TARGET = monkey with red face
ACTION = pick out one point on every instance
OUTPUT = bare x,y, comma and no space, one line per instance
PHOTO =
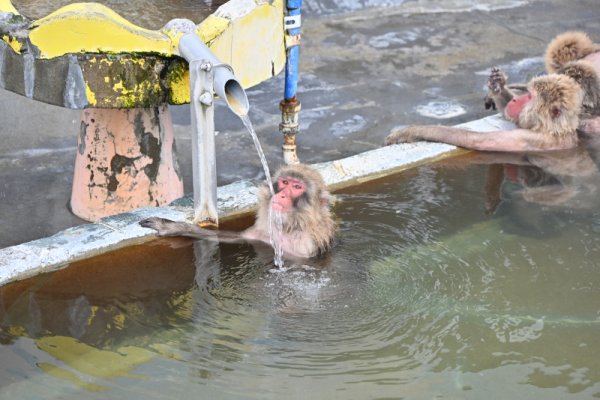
302,199
547,117
548,112
572,54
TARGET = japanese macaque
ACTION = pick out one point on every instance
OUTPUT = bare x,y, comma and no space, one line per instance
302,199
548,111
568,178
572,54
575,55
547,116
568,47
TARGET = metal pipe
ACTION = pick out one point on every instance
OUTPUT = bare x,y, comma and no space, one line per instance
204,166
290,106
226,86
208,75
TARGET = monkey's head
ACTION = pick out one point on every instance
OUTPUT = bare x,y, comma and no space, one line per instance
566,47
299,188
304,183
584,73
302,199
552,105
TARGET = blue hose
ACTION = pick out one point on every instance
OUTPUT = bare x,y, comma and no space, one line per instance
291,66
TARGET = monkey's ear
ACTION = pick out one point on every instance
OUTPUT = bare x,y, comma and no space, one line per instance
555,112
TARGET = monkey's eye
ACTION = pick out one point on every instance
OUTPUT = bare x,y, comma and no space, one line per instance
284,181
297,186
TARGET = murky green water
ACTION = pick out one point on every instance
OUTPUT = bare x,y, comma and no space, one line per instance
425,296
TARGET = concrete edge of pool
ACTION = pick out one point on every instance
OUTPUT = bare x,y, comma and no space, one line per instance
234,200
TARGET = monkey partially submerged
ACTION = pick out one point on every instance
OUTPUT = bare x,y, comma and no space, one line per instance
548,111
302,199
547,117
575,55
572,54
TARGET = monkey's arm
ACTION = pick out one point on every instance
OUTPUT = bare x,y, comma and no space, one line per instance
166,227
499,93
517,140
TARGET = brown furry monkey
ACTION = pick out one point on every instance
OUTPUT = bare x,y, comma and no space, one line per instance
301,197
572,54
547,117
548,112
568,47
575,55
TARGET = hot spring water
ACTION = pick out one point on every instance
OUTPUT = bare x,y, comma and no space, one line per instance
425,295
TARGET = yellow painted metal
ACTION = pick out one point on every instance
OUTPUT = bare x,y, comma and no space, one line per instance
211,28
13,42
251,42
7,6
254,60
179,86
93,28
91,96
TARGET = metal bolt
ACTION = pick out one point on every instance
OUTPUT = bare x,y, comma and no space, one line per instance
206,66
206,98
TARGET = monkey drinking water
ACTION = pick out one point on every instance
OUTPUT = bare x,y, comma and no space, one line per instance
302,199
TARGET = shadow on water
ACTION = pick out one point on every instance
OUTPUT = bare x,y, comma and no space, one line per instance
429,292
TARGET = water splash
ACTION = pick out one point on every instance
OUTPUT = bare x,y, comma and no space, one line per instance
276,235
248,124
275,218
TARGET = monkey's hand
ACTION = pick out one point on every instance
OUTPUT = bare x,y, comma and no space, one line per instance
496,81
495,84
404,135
162,226
166,227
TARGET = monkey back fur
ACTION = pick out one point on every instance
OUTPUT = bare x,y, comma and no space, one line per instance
584,73
566,47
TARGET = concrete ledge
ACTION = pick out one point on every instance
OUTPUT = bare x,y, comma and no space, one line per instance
239,198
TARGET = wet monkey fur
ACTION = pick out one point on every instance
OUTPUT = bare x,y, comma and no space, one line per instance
548,111
572,54
547,117
301,197
568,47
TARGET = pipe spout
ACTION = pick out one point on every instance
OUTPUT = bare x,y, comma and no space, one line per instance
225,84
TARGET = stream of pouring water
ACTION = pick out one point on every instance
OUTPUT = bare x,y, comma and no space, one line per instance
259,150
275,236
275,218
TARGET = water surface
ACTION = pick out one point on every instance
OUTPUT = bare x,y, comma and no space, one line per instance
437,288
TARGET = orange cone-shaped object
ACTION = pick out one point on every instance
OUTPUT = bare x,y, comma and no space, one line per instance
126,159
